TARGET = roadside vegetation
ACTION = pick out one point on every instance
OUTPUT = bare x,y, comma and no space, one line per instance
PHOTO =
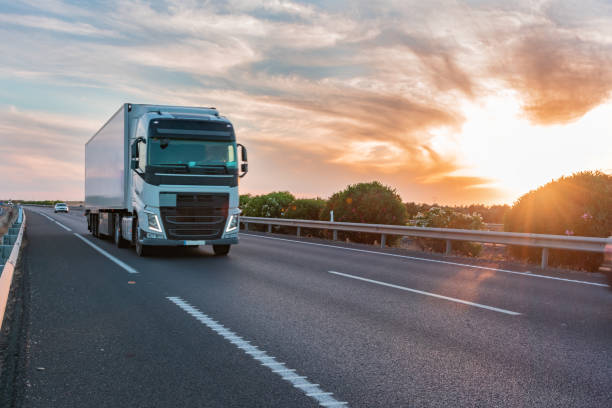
437,217
580,205
40,202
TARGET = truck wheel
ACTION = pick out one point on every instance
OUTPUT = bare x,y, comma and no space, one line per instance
221,250
142,250
119,241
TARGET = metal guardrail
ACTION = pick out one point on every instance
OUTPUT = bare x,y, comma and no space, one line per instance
9,253
544,241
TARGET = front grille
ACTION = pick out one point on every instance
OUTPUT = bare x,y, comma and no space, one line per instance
196,216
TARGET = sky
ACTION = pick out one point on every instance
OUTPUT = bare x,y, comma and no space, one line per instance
453,102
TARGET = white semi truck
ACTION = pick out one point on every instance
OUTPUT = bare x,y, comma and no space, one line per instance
164,176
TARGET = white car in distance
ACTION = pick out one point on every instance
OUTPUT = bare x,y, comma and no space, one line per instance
61,207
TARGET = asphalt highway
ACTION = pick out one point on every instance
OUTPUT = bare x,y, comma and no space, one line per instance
282,322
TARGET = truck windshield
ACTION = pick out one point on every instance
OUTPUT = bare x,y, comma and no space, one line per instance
191,153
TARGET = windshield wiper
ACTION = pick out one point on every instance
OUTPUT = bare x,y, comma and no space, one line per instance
212,167
183,166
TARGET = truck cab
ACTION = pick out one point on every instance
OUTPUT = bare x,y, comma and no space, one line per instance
181,180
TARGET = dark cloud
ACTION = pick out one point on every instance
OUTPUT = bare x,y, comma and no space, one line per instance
437,56
361,115
559,75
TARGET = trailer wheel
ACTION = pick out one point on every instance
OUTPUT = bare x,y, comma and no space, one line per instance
142,250
94,225
221,250
119,241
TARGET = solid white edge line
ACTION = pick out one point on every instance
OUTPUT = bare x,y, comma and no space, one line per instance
46,216
300,382
421,292
106,254
487,268
55,221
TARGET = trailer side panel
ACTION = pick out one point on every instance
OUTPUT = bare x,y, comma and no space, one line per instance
105,165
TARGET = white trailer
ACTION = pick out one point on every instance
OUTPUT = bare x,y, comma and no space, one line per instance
164,175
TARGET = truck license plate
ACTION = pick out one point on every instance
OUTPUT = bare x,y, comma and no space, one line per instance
195,242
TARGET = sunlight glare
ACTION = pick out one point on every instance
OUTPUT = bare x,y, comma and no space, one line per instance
499,143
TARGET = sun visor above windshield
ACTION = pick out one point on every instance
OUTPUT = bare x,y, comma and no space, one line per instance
192,129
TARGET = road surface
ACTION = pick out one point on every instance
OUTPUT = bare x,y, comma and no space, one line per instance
286,323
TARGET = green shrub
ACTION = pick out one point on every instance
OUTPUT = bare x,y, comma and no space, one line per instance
306,209
271,205
413,209
437,217
371,203
41,202
580,205
244,201
493,214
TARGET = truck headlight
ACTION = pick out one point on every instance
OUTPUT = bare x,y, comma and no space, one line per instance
153,222
232,224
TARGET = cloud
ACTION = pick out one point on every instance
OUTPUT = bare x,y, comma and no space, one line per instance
42,153
54,24
58,7
277,166
559,75
329,93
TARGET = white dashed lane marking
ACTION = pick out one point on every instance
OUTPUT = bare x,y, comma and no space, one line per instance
421,292
300,382
416,258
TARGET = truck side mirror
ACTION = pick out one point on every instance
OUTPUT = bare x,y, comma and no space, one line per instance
135,156
244,167
244,153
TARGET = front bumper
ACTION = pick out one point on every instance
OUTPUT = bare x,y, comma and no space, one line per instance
176,242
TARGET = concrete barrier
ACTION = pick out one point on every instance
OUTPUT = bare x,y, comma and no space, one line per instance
9,255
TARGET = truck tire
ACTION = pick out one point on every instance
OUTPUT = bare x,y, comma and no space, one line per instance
119,241
221,250
142,250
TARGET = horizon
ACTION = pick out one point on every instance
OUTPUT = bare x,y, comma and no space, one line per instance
460,103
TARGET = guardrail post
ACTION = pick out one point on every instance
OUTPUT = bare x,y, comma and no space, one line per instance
299,230
269,227
246,226
449,247
544,258
383,240
335,235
